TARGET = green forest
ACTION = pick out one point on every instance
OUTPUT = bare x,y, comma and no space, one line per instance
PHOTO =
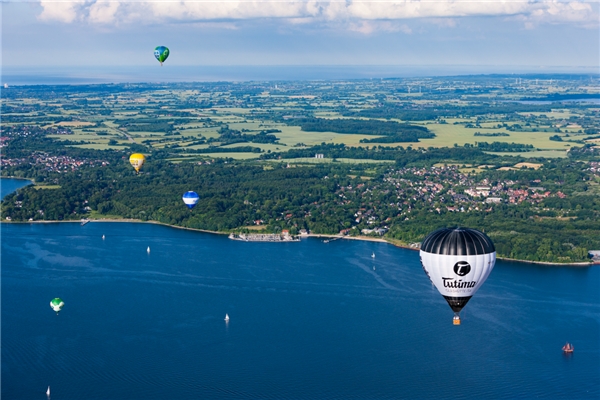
235,195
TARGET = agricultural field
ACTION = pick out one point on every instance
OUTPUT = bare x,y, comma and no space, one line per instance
447,135
254,119
534,154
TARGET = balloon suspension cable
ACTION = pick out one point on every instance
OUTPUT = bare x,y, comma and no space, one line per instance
456,319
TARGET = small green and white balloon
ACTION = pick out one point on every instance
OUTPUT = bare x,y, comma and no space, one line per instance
57,304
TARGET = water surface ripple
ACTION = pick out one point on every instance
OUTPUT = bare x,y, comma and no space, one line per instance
309,320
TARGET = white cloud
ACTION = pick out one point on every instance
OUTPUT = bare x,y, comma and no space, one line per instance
579,13
66,11
103,12
361,16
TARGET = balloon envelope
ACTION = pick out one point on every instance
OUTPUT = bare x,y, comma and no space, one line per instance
161,53
190,199
457,262
137,160
57,304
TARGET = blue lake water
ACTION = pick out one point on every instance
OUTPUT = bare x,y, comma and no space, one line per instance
593,100
9,185
309,320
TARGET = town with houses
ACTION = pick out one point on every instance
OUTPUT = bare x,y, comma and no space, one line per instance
441,188
494,152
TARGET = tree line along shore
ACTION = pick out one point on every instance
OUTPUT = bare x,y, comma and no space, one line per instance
548,214
394,242
354,159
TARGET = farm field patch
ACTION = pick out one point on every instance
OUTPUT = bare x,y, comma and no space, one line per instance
533,154
194,116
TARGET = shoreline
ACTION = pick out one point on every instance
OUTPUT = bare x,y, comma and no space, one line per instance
392,242
18,178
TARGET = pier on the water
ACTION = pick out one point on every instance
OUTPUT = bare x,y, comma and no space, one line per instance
264,237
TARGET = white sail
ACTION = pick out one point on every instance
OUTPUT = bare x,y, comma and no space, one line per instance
226,317
48,391
148,249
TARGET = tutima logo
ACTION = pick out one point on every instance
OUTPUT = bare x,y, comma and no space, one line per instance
462,268
458,284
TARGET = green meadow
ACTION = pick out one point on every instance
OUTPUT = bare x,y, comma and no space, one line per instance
449,134
197,112
534,154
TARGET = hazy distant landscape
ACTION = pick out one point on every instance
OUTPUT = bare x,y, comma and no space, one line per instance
243,73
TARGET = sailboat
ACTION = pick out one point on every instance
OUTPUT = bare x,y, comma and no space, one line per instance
568,348
148,249
103,237
373,255
48,391
226,317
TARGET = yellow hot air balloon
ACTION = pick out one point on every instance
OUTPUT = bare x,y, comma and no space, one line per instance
137,160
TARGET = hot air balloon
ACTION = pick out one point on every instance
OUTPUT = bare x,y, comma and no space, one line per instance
457,261
57,304
137,160
161,53
190,199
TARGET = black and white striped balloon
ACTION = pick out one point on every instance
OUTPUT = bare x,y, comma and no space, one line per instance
457,261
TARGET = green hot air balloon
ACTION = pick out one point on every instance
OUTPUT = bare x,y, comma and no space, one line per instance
57,304
161,53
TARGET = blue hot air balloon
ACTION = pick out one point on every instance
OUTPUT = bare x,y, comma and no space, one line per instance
161,53
190,199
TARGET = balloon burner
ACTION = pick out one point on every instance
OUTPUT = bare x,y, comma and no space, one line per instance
456,319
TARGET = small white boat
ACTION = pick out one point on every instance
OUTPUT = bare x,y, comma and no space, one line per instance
148,249
48,391
373,255
373,268
103,237
227,317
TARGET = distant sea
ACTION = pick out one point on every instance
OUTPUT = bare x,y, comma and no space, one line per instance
309,320
177,73
594,101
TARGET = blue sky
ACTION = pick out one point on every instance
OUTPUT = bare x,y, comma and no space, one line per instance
539,35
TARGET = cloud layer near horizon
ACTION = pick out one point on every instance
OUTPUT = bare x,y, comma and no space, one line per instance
363,16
